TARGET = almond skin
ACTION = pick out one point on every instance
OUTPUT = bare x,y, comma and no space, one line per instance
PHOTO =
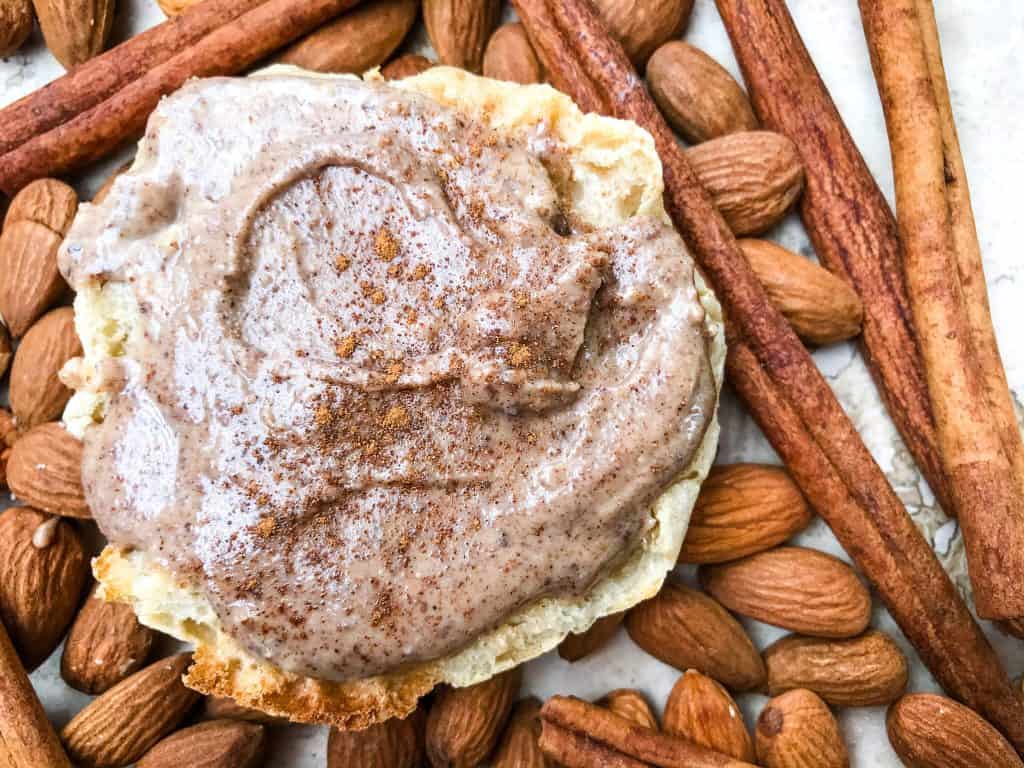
225,708
863,671
75,30
45,470
395,743
15,26
120,726
216,744
643,25
404,66
464,723
29,280
698,96
520,743
798,589
106,644
6,352
459,29
702,711
40,586
37,394
630,704
689,630
743,509
49,202
578,645
797,730
8,435
510,56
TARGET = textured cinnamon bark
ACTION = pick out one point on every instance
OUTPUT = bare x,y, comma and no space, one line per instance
988,499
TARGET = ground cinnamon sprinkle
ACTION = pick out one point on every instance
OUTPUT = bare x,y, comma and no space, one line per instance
378,297
346,346
421,271
385,244
519,355
396,418
394,371
265,527
342,263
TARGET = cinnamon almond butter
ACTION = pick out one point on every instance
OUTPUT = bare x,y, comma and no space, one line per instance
41,581
510,56
580,644
30,282
37,394
404,66
643,25
743,509
799,589
630,704
702,711
464,723
395,743
520,743
15,26
689,630
49,202
459,29
225,708
797,730
215,744
45,470
75,30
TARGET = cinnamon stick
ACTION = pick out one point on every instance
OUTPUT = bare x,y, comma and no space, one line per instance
99,130
988,498
872,525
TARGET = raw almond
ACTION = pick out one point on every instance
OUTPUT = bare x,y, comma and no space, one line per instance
37,394
863,671
510,56
754,177
630,704
464,723
356,41
6,352
30,282
743,509
75,30
797,730
119,727
405,66
49,202
689,630
702,711
579,644
108,183
822,308
216,744
798,589
106,644
520,743
225,708
41,581
45,470
395,743
931,731
8,434
698,96
459,29
15,26
643,25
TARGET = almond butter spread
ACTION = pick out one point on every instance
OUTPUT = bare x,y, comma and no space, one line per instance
384,390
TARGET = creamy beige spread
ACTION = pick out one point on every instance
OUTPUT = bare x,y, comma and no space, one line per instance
384,391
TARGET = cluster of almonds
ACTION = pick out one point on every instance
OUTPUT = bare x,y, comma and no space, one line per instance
74,30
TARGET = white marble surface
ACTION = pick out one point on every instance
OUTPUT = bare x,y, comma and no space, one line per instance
981,42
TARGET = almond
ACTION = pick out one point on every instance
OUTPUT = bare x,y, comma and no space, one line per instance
30,282
754,177
6,352
799,589
743,509
643,25
797,730
395,743
108,183
510,56
931,731
118,727
405,66
687,629
106,644
41,581
175,7
822,308
75,30
459,29
630,704
216,744
225,708
860,672
579,644
464,723
520,743
698,96
49,202
37,394
356,41
45,470
702,711
15,26
8,434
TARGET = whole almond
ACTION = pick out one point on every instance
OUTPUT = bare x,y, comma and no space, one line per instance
404,66
75,30
754,177
40,586
689,630
798,589
459,29
6,352
37,394
743,509
580,644
216,744
106,644
520,743
698,96
108,183
797,730
702,711
30,282
8,435
395,743
863,671
510,56
643,25
630,704
15,26
822,308
120,726
356,41
464,723
45,470
225,708
49,202
931,731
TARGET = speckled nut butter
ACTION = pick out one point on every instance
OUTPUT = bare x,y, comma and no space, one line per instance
383,391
